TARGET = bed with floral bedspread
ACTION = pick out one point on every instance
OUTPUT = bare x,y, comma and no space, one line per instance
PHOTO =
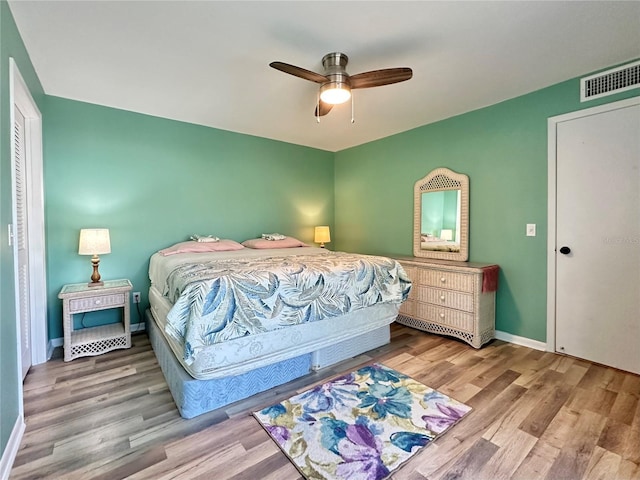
221,300
226,325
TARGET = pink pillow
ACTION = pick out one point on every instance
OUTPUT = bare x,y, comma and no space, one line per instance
201,247
288,242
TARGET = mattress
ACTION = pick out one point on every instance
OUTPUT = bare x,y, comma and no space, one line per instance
243,354
223,313
225,371
440,246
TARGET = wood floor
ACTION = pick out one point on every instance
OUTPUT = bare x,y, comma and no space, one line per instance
536,415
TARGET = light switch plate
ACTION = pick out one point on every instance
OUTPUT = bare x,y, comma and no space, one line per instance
531,229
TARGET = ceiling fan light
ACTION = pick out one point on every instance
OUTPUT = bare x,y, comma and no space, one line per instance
335,93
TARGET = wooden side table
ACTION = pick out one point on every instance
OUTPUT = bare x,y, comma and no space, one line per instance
80,298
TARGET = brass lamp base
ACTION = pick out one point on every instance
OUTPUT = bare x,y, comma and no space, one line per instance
95,276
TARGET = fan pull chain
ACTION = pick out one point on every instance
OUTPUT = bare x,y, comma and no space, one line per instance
353,120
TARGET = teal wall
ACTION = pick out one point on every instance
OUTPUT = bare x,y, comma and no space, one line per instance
154,182
503,150
10,46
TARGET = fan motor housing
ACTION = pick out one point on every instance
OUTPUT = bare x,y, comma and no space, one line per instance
335,59
334,66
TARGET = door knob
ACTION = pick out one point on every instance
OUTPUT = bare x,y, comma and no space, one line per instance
565,250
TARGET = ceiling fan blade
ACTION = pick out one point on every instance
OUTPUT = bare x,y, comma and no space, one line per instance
299,72
324,109
376,78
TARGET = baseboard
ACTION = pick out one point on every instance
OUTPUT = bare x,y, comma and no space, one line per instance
52,344
138,327
525,342
58,342
11,450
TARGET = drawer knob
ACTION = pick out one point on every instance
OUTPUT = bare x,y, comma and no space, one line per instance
98,302
443,280
442,297
442,315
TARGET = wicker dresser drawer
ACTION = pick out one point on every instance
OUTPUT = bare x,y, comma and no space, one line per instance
412,273
408,308
96,303
446,316
445,298
451,280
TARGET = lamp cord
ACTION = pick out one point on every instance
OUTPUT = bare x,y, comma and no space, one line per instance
137,309
139,314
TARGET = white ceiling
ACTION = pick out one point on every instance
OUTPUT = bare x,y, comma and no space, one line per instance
207,62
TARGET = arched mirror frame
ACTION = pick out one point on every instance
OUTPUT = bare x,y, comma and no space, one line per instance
442,179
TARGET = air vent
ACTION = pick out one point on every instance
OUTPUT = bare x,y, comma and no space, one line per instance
611,81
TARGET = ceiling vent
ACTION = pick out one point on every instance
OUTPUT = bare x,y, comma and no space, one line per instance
611,81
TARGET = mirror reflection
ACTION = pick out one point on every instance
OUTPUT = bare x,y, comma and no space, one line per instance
440,221
441,216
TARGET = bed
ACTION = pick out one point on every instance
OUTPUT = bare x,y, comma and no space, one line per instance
226,325
430,242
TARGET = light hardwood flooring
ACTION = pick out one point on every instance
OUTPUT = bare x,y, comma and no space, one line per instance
536,415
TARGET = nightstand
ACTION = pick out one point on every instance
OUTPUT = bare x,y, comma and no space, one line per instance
80,298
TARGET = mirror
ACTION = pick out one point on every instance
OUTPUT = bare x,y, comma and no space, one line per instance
441,216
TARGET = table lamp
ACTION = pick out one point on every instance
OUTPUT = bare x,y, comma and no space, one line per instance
446,234
94,242
322,235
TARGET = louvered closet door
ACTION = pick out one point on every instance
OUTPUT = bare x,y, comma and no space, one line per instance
21,239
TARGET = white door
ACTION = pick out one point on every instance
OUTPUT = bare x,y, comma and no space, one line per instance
598,220
21,239
28,240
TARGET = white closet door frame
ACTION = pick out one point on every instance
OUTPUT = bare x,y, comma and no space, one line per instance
552,135
19,95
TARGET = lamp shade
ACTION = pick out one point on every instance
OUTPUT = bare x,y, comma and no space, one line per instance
94,241
446,234
322,234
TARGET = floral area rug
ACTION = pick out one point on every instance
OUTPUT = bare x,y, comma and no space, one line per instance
359,426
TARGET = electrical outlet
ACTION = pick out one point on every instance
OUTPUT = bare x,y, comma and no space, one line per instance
531,229
136,297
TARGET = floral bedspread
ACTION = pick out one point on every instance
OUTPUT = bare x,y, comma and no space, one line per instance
225,299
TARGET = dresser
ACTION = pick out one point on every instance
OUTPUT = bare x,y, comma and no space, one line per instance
451,298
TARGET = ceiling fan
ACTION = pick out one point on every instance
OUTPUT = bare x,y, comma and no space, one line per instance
336,84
